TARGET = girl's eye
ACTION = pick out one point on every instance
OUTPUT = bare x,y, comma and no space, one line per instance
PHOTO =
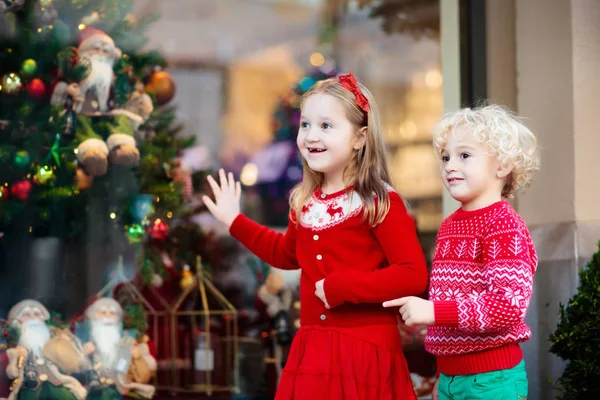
325,125
465,155
304,125
445,158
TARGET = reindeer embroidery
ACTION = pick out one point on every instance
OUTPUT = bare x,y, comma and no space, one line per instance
306,208
333,211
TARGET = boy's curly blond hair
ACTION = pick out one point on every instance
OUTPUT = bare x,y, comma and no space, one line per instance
503,135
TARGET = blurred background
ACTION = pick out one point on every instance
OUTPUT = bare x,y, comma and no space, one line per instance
205,84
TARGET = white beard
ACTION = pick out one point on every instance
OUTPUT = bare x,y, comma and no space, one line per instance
99,79
34,336
106,336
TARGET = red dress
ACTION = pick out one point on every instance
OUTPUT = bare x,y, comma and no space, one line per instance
353,350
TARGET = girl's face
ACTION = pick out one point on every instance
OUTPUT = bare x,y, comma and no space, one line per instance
326,138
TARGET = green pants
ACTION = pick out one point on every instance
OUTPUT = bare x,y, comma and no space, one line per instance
506,384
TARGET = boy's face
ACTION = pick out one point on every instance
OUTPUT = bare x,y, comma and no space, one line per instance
471,175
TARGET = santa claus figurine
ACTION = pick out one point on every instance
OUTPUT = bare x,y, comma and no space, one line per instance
123,366
89,99
33,375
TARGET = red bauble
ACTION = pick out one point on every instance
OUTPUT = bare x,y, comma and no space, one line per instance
20,190
36,89
158,230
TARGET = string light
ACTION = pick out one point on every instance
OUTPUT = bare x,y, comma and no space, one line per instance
169,214
113,215
317,59
81,27
249,174
434,79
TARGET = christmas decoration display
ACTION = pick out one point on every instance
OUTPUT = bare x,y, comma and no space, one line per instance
125,365
99,53
277,300
75,111
29,364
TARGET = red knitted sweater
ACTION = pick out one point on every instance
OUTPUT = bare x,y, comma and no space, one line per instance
362,265
481,284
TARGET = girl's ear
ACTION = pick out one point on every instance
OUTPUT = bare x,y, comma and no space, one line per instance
361,138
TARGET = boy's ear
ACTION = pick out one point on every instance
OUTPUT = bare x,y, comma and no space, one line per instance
504,169
361,138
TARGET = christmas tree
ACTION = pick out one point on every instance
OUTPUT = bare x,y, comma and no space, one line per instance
576,337
47,183
88,141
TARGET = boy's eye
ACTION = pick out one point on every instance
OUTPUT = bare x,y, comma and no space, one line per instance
304,124
325,125
445,158
465,155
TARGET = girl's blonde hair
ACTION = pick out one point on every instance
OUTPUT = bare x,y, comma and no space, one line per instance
368,170
503,135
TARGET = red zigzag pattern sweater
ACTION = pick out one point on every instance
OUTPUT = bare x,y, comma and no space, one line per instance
481,284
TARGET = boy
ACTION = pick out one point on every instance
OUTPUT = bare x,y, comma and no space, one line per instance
484,261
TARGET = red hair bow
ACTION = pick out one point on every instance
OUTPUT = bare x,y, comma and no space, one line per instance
350,83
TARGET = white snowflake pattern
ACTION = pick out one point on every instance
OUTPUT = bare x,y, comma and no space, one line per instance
454,294
516,297
434,293
474,295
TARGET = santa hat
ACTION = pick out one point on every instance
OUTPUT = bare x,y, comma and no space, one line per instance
104,302
88,35
22,305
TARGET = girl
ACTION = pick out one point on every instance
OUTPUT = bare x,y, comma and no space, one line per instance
356,244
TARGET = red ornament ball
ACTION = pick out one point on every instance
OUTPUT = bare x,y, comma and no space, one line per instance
36,89
20,190
159,229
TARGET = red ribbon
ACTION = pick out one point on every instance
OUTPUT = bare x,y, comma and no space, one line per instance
350,83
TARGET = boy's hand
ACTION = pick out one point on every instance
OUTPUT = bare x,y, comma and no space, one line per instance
414,310
320,292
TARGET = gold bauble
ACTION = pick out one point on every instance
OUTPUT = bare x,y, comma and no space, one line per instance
11,83
163,86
